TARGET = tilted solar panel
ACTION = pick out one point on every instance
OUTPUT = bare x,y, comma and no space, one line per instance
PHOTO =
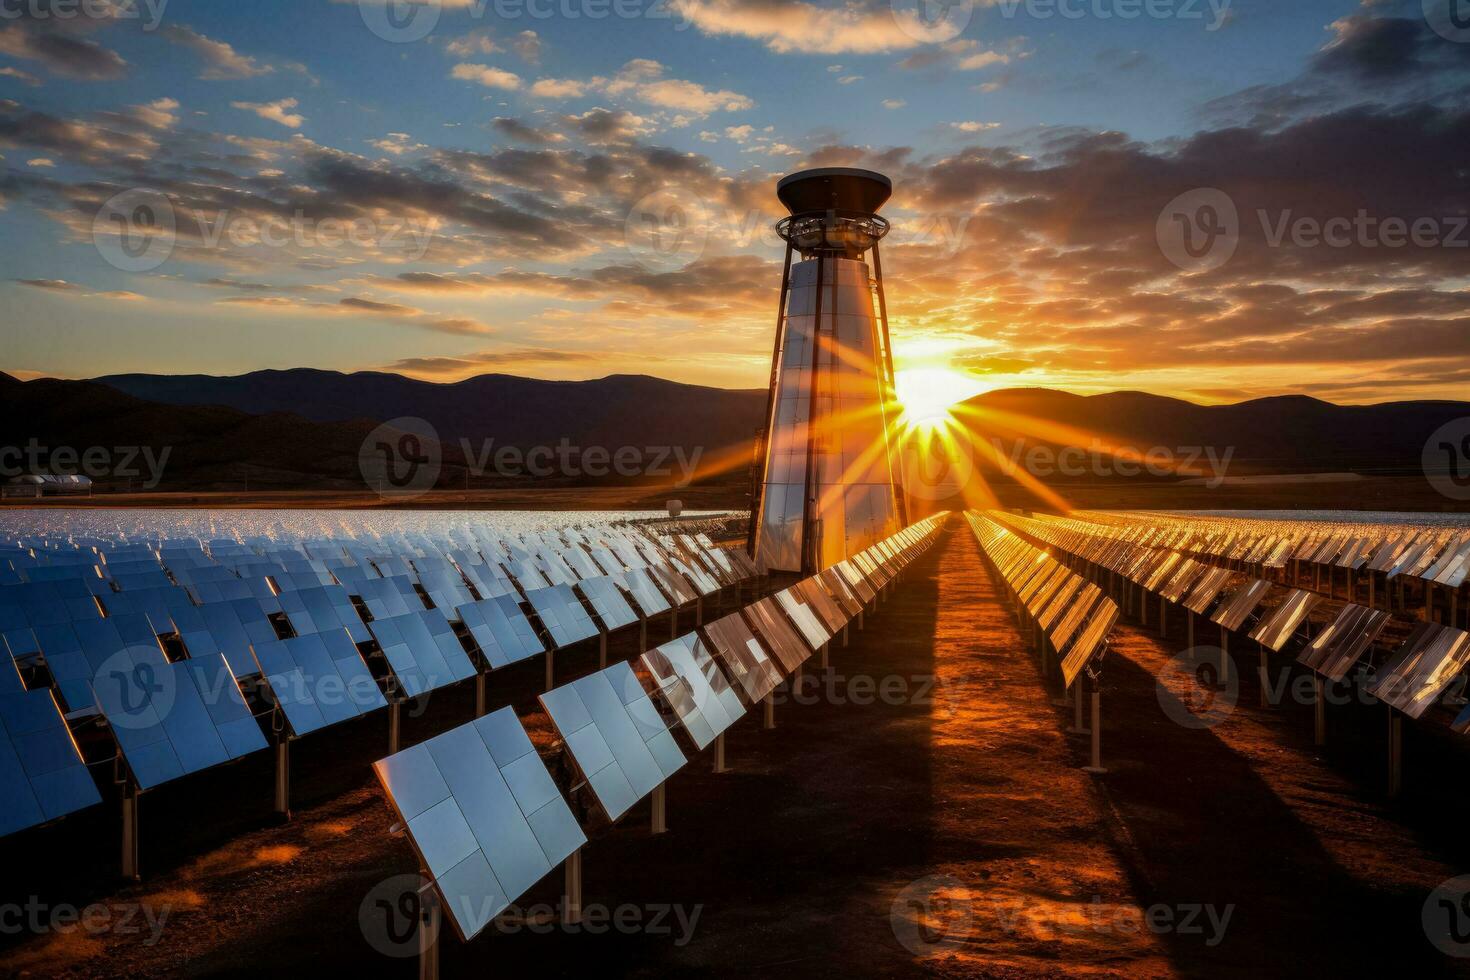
423,651
803,618
768,622
172,719
562,613
1278,626
622,758
42,776
744,659
608,602
693,687
1342,643
318,680
482,813
502,631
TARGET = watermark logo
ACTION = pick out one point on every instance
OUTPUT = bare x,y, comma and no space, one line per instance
400,21
935,462
392,913
98,919
1450,19
667,230
1446,459
94,462
1214,13
135,231
41,11
1199,230
135,689
401,458
932,915
1191,690
932,21
1207,463
1446,917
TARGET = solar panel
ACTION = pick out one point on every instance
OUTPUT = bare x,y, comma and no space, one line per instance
1338,647
803,618
1061,600
816,598
42,776
744,659
673,584
1071,621
855,578
502,631
1091,641
423,651
615,736
645,592
1233,612
483,815
608,602
1278,626
768,622
318,680
321,608
1206,590
1188,572
171,719
1428,662
562,613
693,687
388,597
841,592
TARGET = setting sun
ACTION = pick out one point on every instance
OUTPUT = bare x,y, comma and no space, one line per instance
927,394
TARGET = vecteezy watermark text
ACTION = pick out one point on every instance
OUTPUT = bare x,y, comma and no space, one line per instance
569,460
1201,230
403,457
137,230
149,11
406,21
99,918
1214,13
939,913
94,462
1100,460
392,913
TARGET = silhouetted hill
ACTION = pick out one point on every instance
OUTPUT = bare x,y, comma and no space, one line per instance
1286,434
611,412
56,423
306,428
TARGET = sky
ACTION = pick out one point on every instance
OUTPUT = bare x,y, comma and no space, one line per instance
1213,199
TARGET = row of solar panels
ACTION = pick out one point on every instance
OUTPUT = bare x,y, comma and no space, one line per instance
1070,612
1436,555
163,675
483,813
1411,678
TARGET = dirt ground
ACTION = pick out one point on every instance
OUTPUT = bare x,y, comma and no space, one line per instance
941,827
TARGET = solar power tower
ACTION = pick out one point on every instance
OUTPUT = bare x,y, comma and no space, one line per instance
828,486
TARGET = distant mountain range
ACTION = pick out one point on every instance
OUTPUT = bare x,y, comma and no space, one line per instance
619,410
1286,434
304,428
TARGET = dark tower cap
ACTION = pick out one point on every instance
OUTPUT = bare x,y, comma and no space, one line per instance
834,188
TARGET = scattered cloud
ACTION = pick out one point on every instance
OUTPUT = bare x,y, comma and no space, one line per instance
278,112
221,61
61,53
487,76
788,27
397,144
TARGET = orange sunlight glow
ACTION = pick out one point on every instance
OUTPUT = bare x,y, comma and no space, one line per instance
926,394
